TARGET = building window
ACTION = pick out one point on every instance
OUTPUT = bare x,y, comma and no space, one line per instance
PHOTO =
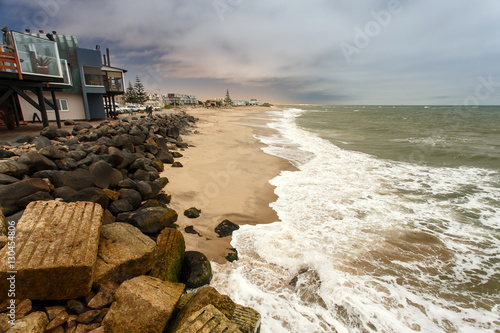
62,104
93,76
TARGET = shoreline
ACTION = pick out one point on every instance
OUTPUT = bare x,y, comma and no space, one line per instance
226,175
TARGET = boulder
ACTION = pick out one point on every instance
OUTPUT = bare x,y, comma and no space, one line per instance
163,198
78,179
102,172
165,156
77,154
66,164
63,192
200,299
50,132
115,178
124,252
13,168
132,196
226,228
56,251
144,188
11,195
6,153
169,256
141,175
36,162
158,165
233,255
35,322
150,220
22,138
41,142
79,126
177,165
38,196
91,194
192,212
208,319
6,179
154,298
196,270
120,206
54,176
53,152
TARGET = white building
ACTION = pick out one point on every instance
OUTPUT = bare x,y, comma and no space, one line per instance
179,99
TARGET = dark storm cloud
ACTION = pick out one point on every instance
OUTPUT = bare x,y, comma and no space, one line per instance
319,51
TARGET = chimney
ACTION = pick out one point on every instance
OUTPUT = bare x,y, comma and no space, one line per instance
107,55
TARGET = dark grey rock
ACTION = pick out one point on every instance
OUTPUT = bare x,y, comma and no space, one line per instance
41,142
11,195
177,165
77,154
120,206
150,220
144,188
196,270
6,179
192,212
63,192
131,196
92,194
163,198
23,138
36,162
165,156
127,183
53,152
54,176
78,179
115,178
13,168
69,122
37,196
66,164
141,175
102,172
80,126
226,228
6,153
50,132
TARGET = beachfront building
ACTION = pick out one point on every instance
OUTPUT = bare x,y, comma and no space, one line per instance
50,63
254,101
179,99
239,102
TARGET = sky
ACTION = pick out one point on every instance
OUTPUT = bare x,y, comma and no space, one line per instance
289,51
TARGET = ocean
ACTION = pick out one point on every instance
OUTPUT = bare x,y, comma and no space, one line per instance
391,222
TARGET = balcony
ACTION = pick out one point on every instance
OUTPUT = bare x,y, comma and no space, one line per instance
38,56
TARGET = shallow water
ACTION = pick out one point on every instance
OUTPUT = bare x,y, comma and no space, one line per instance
390,224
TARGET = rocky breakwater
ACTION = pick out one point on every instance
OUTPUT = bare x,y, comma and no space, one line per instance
89,242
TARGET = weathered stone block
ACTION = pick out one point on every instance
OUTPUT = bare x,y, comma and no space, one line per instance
143,304
169,255
56,250
124,252
208,320
35,322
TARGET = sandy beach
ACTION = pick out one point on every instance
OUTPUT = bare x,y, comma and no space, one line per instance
226,175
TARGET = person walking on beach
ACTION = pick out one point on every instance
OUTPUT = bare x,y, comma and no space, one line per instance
149,109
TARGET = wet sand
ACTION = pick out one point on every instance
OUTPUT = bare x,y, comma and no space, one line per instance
226,175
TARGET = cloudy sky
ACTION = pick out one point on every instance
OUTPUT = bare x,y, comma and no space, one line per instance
289,51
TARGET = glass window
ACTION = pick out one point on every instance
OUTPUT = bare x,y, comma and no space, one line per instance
37,55
93,76
62,104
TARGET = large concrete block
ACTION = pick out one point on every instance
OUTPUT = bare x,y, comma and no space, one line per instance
55,251
124,252
208,320
169,255
143,304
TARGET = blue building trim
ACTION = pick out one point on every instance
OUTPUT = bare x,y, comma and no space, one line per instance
92,95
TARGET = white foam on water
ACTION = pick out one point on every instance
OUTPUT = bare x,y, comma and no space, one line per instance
366,245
